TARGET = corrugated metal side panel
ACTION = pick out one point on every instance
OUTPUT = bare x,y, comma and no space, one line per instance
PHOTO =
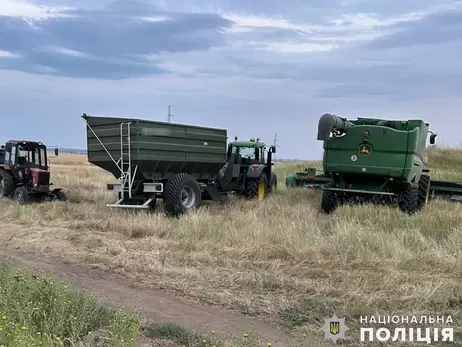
176,142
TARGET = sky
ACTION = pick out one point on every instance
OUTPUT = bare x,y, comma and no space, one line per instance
255,68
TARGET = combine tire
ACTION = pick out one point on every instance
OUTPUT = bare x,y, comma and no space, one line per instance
6,184
257,188
183,194
329,201
424,191
409,201
21,195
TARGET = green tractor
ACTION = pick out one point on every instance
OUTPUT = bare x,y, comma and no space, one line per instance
375,160
257,178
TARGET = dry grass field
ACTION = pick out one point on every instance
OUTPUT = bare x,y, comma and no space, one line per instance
281,259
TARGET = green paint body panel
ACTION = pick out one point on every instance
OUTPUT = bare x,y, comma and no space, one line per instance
309,178
397,151
160,149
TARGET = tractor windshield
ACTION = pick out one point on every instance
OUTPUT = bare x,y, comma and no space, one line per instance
34,156
247,152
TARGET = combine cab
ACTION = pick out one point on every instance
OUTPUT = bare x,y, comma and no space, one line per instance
375,160
24,172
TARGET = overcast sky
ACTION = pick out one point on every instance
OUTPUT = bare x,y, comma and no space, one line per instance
253,67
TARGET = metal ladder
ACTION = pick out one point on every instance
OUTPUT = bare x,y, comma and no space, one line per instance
125,161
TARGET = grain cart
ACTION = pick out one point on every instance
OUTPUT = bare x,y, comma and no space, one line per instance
181,164
257,179
375,160
24,172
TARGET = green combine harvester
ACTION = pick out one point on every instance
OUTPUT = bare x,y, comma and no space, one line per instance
376,161
183,165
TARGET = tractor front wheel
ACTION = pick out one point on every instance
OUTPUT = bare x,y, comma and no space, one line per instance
61,195
409,201
6,184
257,188
273,185
21,195
183,195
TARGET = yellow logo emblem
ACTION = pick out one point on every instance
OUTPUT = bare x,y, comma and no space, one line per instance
365,149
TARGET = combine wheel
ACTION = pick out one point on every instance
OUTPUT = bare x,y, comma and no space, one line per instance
6,184
424,190
21,195
329,201
257,188
409,201
183,194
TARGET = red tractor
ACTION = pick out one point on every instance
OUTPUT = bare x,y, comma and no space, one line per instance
24,172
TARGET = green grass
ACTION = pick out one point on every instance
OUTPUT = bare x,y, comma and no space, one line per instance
37,311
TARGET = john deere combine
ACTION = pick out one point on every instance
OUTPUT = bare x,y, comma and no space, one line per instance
375,160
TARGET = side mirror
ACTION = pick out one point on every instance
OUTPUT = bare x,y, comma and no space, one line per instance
2,146
56,151
273,149
432,138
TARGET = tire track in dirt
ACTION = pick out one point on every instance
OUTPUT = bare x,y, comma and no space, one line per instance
157,306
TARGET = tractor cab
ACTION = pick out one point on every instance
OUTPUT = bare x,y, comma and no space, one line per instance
25,155
249,152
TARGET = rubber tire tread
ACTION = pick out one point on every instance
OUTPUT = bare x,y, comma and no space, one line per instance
61,195
171,203
409,201
274,183
9,180
329,201
424,186
252,187
26,195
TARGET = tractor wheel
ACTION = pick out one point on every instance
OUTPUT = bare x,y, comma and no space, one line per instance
409,201
21,195
424,190
61,195
329,201
257,188
273,185
6,183
183,195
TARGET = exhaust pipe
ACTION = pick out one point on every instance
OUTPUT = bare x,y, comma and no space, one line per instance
329,122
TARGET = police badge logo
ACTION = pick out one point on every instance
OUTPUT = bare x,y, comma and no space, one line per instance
334,328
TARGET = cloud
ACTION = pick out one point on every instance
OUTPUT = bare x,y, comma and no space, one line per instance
436,28
106,43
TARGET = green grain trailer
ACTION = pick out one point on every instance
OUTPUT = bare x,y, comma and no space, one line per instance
375,160
181,164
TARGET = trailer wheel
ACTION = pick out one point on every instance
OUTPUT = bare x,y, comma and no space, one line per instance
6,183
183,195
329,201
424,190
409,201
257,188
21,195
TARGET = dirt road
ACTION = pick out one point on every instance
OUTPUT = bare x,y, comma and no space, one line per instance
156,305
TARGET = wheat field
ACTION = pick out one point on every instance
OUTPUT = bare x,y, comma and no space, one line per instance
281,259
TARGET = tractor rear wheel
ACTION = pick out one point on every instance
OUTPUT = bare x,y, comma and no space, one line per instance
329,201
409,201
21,195
183,195
273,185
424,190
257,188
6,183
